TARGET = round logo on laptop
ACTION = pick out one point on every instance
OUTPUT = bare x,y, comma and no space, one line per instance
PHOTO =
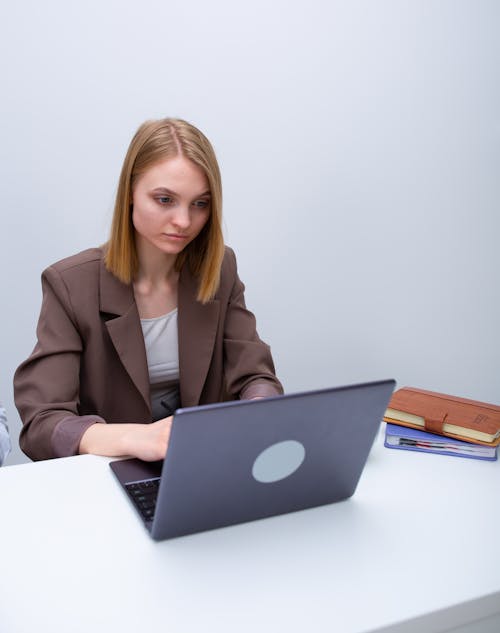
278,461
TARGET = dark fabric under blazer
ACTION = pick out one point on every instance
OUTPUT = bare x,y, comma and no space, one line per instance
89,364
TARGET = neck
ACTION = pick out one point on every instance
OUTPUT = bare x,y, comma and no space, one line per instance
155,267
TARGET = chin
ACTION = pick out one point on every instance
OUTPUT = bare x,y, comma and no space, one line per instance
171,249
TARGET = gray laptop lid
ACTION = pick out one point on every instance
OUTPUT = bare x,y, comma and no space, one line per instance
239,461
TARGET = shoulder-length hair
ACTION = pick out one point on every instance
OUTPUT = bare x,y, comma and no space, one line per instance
153,142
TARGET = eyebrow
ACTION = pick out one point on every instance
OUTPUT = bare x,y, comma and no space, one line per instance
173,193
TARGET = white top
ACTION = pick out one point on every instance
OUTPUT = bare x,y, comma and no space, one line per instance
416,546
4,436
162,351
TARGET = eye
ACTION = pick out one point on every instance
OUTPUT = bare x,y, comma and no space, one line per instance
164,200
201,204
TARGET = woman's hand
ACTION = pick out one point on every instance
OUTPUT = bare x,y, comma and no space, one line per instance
145,441
148,441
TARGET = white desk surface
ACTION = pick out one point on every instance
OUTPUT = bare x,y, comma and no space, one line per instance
415,549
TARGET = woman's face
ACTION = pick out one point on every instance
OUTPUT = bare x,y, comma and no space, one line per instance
171,205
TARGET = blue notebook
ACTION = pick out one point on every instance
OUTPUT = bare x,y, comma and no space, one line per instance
414,440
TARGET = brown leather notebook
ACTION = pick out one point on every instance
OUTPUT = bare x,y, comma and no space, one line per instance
463,419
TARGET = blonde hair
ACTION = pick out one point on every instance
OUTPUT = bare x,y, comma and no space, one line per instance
153,142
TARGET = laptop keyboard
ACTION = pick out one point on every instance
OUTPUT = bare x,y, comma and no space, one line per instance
143,495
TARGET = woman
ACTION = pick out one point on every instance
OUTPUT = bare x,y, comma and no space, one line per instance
154,320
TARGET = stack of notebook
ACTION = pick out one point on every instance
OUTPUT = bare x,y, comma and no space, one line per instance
420,420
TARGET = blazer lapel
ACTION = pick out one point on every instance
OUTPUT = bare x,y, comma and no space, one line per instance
197,323
117,298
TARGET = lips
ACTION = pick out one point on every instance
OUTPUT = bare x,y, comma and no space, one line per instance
176,236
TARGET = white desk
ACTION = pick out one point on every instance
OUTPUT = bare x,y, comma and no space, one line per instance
415,550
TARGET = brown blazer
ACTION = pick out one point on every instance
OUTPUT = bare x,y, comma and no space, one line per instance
89,364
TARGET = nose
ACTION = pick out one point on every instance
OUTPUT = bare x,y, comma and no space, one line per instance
181,218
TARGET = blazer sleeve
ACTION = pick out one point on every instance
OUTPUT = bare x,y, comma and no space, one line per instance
248,363
46,385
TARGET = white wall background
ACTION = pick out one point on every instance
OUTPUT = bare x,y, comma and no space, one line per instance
360,148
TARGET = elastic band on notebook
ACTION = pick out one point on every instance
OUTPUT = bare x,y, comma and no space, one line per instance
434,425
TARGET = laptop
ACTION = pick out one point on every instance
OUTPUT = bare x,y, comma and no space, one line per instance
243,460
